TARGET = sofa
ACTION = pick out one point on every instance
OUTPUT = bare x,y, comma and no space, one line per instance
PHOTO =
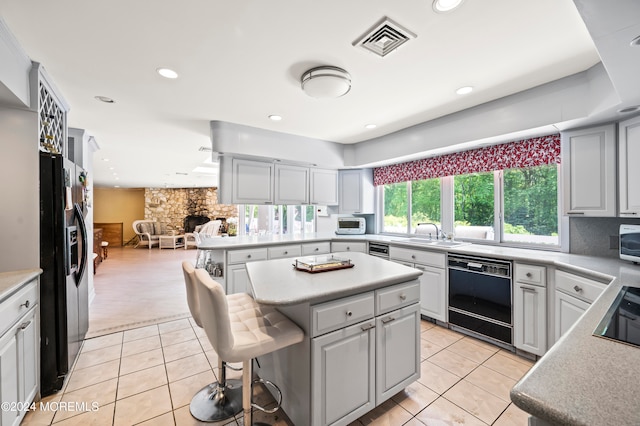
148,232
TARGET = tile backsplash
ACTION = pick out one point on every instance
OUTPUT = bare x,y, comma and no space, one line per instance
596,236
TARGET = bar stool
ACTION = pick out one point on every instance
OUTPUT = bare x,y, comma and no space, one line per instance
105,247
241,333
222,399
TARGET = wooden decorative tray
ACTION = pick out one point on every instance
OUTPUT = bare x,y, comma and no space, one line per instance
315,264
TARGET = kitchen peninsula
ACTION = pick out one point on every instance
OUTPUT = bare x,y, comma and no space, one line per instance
362,335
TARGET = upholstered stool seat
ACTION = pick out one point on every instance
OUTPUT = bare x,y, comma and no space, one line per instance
222,399
242,330
105,247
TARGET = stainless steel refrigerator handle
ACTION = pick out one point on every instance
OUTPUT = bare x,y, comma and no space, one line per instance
83,231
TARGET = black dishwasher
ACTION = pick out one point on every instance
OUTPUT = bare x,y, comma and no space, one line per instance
480,296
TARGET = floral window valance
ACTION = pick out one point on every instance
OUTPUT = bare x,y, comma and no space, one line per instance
526,153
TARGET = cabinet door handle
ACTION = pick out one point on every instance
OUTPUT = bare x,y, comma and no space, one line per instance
631,213
388,320
248,256
413,256
577,288
575,212
25,325
286,252
529,274
403,297
26,304
316,249
529,289
349,313
367,327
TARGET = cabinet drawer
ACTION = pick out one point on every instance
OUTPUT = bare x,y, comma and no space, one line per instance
316,248
397,296
531,274
336,314
278,252
581,287
17,305
429,258
249,255
349,246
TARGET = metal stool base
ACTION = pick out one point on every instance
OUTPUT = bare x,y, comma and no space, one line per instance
208,406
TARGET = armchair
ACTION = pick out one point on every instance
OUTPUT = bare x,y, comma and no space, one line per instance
148,232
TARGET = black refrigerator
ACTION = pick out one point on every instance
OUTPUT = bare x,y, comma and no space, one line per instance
64,293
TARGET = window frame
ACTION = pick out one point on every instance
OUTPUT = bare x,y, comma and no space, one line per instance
447,211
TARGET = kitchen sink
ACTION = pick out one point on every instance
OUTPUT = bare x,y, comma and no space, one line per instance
432,243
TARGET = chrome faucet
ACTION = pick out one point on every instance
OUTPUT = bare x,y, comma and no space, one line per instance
421,226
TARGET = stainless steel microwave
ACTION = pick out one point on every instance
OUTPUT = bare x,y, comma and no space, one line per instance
630,243
351,225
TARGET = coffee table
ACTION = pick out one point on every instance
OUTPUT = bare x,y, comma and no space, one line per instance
171,241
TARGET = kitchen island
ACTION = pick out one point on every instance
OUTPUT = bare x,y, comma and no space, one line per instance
361,344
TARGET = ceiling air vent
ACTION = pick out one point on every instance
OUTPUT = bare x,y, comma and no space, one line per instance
384,37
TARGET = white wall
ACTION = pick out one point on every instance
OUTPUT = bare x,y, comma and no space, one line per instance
19,190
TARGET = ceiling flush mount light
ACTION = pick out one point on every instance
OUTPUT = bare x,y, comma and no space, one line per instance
326,82
629,109
167,73
105,99
275,117
444,6
464,90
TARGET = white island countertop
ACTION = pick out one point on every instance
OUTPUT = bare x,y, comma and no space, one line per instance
12,281
277,282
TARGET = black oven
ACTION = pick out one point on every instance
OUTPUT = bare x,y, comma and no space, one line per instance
480,296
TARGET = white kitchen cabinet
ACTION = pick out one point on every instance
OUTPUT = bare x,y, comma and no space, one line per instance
280,251
337,246
628,170
291,184
237,279
19,352
323,187
530,308
433,292
589,171
573,296
322,247
252,182
569,309
397,351
433,281
356,191
343,374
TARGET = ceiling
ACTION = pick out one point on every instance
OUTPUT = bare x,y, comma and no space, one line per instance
240,61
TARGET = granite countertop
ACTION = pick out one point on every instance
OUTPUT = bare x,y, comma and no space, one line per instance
277,282
10,282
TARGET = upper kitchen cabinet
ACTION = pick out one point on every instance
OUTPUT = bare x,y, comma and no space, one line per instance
291,184
356,191
252,182
589,171
323,189
628,170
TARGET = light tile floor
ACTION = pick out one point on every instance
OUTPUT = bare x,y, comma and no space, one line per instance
148,375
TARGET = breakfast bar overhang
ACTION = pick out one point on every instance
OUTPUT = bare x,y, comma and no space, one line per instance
362,335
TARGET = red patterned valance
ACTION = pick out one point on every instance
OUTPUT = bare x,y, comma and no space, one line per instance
520,154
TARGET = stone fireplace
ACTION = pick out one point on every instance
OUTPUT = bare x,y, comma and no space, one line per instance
172,205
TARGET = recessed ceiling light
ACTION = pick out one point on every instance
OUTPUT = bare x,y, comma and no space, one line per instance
443,6
105,99
167,73
370,126
629,109
464,90
275,117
